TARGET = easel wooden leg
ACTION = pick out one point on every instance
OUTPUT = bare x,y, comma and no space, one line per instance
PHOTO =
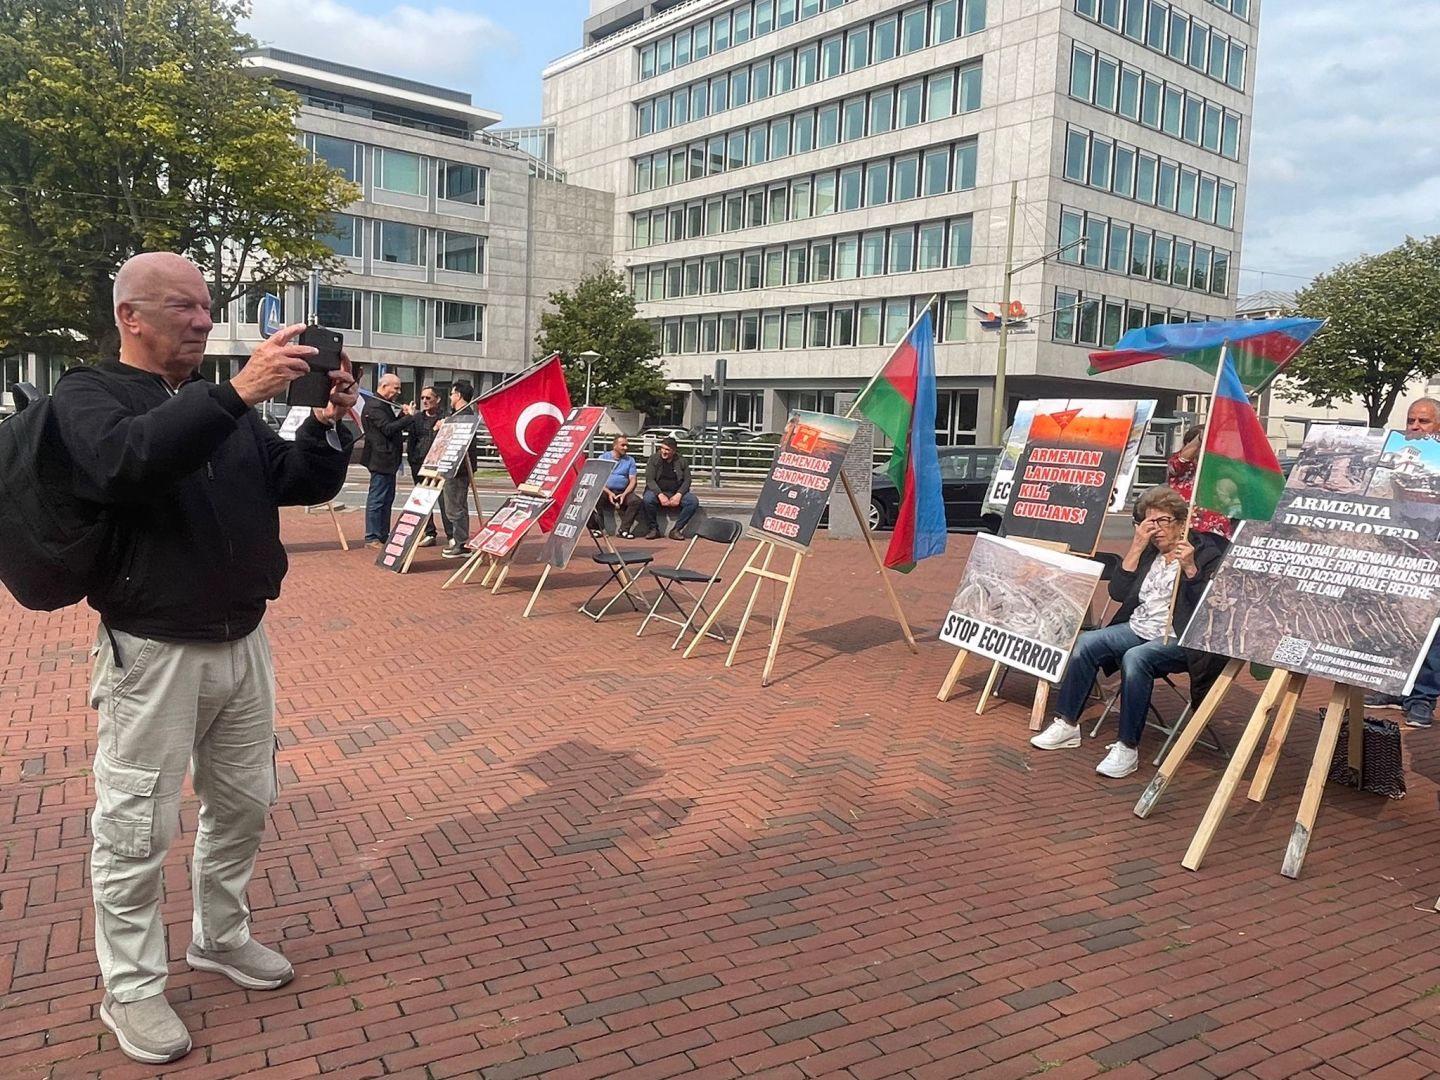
1265,771
750,604
504,565
1041,705
864,520
339,532
952,676
534,595
1188,737
1315,782
780,619
991,682
725,599
1239,761
1356,749
464,570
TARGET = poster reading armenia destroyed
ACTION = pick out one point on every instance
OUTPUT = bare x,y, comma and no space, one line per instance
1344,582
806,466
1022,605
1067,471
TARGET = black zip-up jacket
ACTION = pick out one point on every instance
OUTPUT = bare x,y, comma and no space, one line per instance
385,429
192,483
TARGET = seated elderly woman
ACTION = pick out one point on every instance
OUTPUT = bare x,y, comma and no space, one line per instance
1136,640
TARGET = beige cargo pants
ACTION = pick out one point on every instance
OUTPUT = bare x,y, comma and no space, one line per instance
163,705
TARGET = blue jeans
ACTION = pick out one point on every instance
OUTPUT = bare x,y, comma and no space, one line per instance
377,506
1427,681
1140,663
688,505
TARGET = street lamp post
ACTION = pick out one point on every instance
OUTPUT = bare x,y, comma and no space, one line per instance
997,415
589,356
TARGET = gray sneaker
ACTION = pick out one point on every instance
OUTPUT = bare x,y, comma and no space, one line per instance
252,965
1384,701
1420,715
148,1030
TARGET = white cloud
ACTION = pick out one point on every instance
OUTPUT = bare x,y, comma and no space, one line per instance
1345,146
437,45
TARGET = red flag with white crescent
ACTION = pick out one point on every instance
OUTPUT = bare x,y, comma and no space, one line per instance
524,416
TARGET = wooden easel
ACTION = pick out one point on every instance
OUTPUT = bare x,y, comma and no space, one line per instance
495,571
429,483
1281,694
1042,688
759,569
334,520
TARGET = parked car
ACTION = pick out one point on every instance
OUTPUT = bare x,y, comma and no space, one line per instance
965,473
728,433
658,433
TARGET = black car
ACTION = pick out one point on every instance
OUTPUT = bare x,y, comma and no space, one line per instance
964,475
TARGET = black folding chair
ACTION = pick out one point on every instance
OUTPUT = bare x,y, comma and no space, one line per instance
625,568
712,530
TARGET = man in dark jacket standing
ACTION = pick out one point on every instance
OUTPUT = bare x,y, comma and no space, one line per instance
192,480
385,426
418,443
667,484
1140,639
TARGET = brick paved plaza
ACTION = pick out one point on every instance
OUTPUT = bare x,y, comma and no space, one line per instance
512,848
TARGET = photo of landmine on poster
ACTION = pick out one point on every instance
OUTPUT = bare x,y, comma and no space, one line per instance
1021,604
1344,581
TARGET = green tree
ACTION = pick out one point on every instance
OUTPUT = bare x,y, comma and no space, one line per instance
129,126
1383,331
599,316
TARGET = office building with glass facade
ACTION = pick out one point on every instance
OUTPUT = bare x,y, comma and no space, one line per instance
796,179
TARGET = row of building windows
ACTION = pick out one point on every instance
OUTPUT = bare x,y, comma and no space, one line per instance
822,326
933,171
1099,162
390,313
857,47
1116,87
940,95
930,245
1119,247
1171,32
402,244
397,171
1238,8
756,18
1081,319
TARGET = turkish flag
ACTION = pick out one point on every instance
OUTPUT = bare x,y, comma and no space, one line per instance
524,416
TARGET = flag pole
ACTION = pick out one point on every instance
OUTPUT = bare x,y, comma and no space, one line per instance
854,405
1195,483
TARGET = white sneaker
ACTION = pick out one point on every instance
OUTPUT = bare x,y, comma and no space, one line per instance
1060,735
1120,762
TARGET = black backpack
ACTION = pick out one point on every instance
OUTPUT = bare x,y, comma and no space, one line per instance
50,541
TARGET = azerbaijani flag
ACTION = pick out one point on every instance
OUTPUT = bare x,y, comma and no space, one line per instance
900,401
1259,348
1239,476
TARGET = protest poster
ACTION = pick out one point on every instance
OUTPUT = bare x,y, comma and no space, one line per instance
550,473
503,532
1130,460
1021,605
1344,581
294,417
1067,471
1002,479
453,438
805,468
574,515
409,528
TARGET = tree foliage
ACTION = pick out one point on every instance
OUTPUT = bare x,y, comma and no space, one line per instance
129,126
599,316
1383,331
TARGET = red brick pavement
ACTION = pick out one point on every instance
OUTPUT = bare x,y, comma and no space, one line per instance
514,848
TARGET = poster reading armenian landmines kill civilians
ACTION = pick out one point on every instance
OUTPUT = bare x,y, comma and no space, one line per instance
806,466
446,456
1344,582
1020,604
409,527
505,529
1068,470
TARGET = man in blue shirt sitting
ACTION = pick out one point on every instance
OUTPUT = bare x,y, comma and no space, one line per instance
619,494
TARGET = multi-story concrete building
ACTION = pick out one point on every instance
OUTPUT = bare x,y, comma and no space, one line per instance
455,242
795,179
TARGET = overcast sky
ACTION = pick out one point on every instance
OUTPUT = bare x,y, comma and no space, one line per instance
1345,151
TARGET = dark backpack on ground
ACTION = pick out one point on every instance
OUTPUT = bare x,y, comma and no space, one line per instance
1382,764
50,541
